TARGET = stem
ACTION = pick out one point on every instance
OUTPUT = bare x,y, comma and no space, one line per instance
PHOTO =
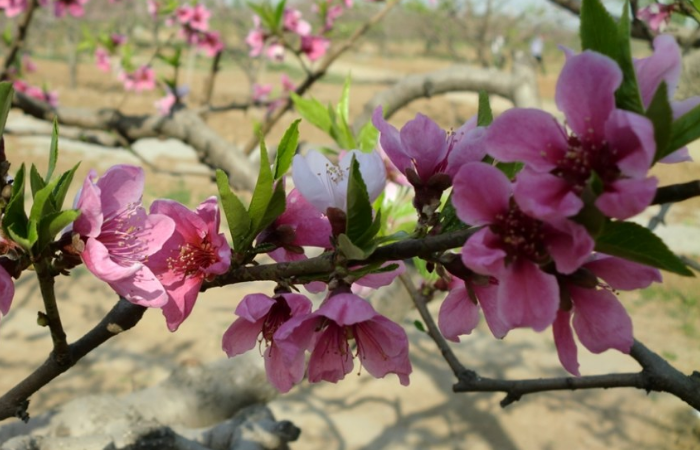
60,353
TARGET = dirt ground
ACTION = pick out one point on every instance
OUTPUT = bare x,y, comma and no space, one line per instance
359,412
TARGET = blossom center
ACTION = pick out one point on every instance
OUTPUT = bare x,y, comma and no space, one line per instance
585,156
520,235
279,313
191,258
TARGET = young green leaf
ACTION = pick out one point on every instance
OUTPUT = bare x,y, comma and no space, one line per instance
634,242
279,13
234,210
367,137
53,151
263,190
64,182
287,149
627,95
484,116
275,208
15,221
313,112
52,224
350,250
341,132
343,108
43,203
6,93
35,180
661,115
685,130
359,208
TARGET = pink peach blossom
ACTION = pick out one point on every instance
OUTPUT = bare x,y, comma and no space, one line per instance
657,15
102,60
381,345
314,47
262,315
142,79
617,145
196,251
515,246
119,236
13,8
292,22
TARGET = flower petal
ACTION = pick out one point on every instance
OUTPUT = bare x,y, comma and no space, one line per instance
377,280
240,336
425,144
89,223
663,65
631,136
98,261
601,321
626,198
488,299
372,169
482,253
182,297
390,140
7,291
283,374
528,135
120,186
328,361
142,288
309,174
569,244
586,93
469,146
622,274
458,314
527,297
480,193
564,341
545,196
254,307
383,348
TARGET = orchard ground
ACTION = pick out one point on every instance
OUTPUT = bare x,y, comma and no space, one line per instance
359,412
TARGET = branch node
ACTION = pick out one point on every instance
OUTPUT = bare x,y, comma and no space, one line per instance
21,411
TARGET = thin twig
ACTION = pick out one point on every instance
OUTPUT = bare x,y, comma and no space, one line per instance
677,192
20,37
420,301
319,72
660,217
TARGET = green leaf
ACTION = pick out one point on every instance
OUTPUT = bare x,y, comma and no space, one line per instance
275,208
52,224
43,203
341,132
359,208
234,210
510,169
287,149
419,325
631,241
448,218
627,95
350,250
35,180
600,33
15,220
685,130
6,93
279,12
484,116
367,137
53,151
313,112
343,108
64,182
661,115
262,192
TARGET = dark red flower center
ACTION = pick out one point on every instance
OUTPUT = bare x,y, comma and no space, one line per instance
585,156
521,236
192,258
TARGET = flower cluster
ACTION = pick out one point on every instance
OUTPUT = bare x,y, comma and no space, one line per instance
194,28
157,259
532,263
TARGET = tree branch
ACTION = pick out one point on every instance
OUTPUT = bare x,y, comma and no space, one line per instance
184,125
677,192
123,316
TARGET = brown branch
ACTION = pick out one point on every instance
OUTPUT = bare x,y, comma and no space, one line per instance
333,54
122,317
324,264
677,192
184,125
518,86
61,353
20,37
211,78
